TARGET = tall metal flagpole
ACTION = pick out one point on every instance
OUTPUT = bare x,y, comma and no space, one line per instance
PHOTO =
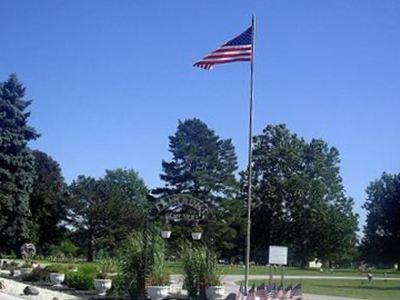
246,276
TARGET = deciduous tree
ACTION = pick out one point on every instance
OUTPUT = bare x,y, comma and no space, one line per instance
47,202
381,242
298,191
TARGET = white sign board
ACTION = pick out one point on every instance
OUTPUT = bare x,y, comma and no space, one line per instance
278,255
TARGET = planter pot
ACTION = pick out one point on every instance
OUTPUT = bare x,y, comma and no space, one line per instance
215,292
26,271
158,292
166,234
57,278
196,235
102,286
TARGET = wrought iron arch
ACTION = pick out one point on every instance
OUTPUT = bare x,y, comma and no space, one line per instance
182,207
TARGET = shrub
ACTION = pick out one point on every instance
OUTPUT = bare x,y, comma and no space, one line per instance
38,274
27,264
106,267
57,268
80,280
83,278
132,266
87,268
159,276
9,265
66,249
118,287
200,268
192,261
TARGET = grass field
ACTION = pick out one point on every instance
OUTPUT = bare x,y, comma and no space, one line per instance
376,290
176,268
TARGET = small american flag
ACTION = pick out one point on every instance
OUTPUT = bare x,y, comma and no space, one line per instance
288,292
297,292
279,293
251,294
269,292
261,293
237,49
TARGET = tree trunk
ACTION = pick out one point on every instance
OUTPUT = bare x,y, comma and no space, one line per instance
304,263
91,244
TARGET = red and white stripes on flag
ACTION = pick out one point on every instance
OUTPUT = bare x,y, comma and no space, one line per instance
237,49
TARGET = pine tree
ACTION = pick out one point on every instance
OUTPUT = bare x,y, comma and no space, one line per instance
16,165
202,165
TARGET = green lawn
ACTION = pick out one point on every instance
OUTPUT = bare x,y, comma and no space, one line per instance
376,290
176,268
262,270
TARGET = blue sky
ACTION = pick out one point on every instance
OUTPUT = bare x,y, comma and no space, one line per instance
111,79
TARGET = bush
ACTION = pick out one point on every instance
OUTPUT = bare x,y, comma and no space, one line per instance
159,276
57,268
106,267
132,266
83,278
88,268
38,274
200,268
79,280
66,249
10,265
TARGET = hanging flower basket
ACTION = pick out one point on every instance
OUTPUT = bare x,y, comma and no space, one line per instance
166,234
197,233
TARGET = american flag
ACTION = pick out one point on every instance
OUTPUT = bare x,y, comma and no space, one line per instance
297,292
261,292
251,295
268,292
237,49
271,289
288,292
279,293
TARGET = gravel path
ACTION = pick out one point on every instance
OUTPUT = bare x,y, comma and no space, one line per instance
8,297
15,290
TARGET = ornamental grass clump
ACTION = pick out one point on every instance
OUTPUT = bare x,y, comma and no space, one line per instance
82,279
131,263
106,268
141,264
193,262
159,276
200,268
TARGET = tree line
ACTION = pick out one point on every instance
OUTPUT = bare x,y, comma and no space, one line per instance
299,198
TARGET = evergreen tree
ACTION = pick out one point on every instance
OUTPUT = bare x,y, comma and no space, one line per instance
16,165
381,242
47,202
203,165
